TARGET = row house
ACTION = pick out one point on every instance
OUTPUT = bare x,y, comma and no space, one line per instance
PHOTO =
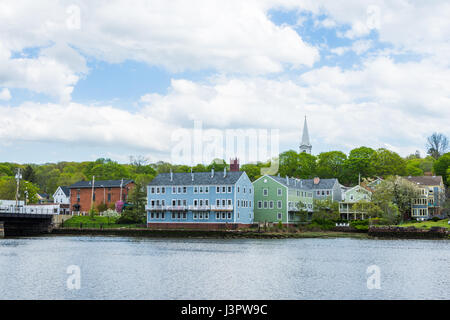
351,196
211,200
281,199
428,203
85,194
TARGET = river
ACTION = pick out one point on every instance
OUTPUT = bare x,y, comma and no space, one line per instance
132,268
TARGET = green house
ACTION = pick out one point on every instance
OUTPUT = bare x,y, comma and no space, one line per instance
281,199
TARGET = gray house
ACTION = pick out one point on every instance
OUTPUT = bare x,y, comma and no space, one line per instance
324,188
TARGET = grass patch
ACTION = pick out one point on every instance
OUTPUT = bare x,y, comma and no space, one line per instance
95,222
427,224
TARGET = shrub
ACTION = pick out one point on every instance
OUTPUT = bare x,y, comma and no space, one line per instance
435,219
102,207
360,224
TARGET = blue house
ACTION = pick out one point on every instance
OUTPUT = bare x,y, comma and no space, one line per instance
211,200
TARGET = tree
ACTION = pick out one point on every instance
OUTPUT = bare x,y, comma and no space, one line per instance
395,190
28,174
359,162
136,212
412,167
437,145
289,163
325,210
8,189
441,167
253,171
369,208
331,164
387,163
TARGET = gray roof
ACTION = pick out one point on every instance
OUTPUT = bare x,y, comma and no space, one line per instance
293,183
306,184
100,184
326,184
200,178
426,180
66,190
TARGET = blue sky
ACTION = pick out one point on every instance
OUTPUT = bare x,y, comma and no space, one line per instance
79,81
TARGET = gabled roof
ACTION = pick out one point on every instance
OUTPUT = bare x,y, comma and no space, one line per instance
426,180
65,190
100,184
293,183
323,184
200,178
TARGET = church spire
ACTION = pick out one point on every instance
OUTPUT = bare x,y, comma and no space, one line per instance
305,145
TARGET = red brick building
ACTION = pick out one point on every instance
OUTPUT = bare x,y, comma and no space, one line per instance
105,191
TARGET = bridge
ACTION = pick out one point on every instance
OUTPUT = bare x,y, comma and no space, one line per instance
24,221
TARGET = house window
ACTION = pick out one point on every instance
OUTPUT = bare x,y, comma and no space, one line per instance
163,190
206,189
201,189
157,190
218,202
229,189
279,192
238,203
271,204
184,190
153,190
217,189
265,192
265,204
109,197
224,189
279,216
259,204
195,189
184,216
217,215
244,189
229,202
179,189
279,204
174,190
229,215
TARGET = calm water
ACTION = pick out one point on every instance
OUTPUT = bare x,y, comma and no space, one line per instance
127,268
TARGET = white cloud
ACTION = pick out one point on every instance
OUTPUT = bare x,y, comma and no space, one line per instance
5,94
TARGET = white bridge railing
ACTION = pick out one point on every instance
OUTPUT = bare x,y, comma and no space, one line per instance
29,210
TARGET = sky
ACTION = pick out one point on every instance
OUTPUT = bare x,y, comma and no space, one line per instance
81,80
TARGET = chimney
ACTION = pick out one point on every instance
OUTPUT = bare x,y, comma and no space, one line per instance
234,164
171,175
316,180
224,172
287,180
192,175
212,173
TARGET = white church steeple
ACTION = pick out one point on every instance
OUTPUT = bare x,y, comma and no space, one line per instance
305,145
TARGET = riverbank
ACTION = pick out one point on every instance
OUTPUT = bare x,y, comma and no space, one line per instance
215,234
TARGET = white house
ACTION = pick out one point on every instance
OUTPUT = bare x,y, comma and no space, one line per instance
62,195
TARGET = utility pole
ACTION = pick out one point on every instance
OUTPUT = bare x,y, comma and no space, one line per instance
18,177
121,185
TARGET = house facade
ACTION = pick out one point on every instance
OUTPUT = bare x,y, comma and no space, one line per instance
281,199
62,195
84,194
431,198
324,188
201,200
352,196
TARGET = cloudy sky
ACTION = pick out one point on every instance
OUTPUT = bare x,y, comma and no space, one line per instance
81,80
